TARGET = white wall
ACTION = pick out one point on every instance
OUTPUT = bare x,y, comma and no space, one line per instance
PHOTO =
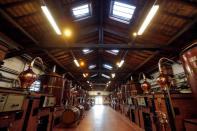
18,65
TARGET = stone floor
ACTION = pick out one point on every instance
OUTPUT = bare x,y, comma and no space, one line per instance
102,118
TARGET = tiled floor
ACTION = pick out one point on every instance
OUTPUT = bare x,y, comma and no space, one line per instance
102,118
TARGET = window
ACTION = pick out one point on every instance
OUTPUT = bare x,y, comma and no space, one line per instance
113,52
82,11
35,86
91,67
109,67
86,51
121,12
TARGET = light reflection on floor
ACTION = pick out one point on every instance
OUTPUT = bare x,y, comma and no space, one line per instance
98,111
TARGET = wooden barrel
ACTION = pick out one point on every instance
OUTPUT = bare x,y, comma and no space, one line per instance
71,116
52,83
81,109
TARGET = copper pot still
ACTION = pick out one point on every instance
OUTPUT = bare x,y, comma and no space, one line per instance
189,60
145,85
163,81
28,77
52,83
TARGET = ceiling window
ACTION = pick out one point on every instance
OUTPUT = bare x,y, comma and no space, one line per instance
105,76
93,75
82,11
91,67
121,12
113,52
109,67
86,51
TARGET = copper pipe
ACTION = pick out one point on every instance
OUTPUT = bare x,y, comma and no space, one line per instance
37,58
167,90
161,60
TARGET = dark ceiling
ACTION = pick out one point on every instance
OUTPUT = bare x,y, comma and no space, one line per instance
27,31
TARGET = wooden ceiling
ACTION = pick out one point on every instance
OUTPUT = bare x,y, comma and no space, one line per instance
27,30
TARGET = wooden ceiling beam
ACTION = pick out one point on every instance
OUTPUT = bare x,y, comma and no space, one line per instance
37,43
176,15
103,46
17,3
187,27
27,15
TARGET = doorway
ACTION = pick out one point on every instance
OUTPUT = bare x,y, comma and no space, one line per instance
98,100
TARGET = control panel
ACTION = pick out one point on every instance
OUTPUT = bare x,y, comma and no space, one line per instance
11,102
141,101
47,101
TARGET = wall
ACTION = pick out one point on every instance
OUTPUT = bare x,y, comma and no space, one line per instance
15,65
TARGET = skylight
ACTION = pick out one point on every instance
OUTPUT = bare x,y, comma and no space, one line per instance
105,76
113,52
122,12
93,75
91,67
87,51
109,67
82,11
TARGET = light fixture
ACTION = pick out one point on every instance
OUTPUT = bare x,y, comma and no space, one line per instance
109,82
119,64
88,82
85,75
67,32
148,19
134,34
51,19
82,63
113,75
76,63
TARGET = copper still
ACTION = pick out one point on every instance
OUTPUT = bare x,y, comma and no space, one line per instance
164,80
189,60
28,77
52,83
145,84
70,116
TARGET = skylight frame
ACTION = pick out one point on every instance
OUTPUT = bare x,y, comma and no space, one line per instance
82,16
120,17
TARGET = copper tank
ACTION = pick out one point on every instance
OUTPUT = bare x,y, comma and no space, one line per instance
189,60
70,116
52,83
